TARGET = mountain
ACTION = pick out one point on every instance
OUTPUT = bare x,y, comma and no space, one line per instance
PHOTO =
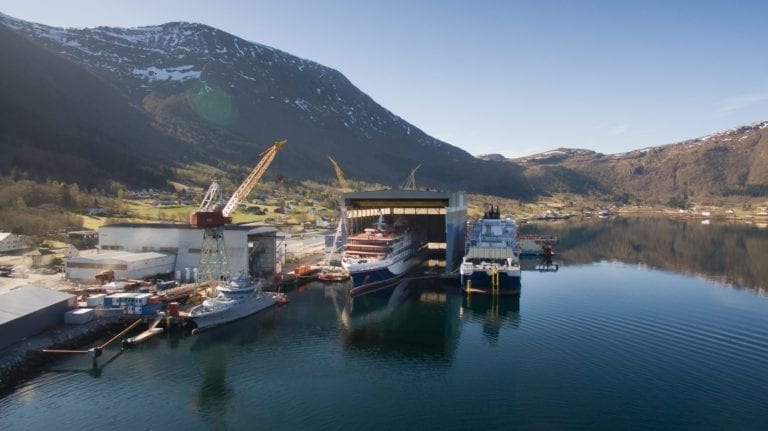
730,162
61,121
225,99
184,101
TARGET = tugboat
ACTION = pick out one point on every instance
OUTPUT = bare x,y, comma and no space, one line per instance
492,260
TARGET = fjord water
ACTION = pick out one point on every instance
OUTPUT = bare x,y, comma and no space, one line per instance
647,324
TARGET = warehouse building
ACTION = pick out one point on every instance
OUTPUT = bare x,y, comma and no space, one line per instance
126,265
249,249
11,242
29,310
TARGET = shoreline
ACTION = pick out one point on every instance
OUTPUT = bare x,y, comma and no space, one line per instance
21,360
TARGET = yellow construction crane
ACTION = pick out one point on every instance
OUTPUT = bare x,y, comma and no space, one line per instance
212,215
341,228
339,175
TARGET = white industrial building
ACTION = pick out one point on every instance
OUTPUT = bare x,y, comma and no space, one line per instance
126,265
11,242
249,249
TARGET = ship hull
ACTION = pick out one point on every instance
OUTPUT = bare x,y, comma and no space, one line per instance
251,304
364,280
481,281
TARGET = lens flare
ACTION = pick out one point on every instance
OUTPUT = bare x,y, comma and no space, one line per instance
212,104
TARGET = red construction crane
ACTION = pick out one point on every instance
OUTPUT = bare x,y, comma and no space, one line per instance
213,214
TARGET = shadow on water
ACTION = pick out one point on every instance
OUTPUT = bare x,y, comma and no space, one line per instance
404,319
212,349
92,371
732,254
241,332
493,312
215,393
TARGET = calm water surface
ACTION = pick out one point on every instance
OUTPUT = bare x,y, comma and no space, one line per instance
644,334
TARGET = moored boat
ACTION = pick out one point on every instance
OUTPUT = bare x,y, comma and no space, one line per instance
492,256
333,274
381,254
234,299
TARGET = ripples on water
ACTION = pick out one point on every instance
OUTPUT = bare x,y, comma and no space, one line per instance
604,345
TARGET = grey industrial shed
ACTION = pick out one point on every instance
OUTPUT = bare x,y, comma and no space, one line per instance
29,310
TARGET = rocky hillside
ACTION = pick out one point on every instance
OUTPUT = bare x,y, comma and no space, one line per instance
727,163
59,121
226,99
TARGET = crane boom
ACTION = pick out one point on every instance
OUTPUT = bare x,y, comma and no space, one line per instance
410,184
211,214
212,198
245,188
339,174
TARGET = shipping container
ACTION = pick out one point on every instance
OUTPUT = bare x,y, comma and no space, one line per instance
95,300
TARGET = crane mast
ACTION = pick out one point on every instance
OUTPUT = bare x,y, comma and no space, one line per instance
339,174
410,184
341,228
213,214
245,188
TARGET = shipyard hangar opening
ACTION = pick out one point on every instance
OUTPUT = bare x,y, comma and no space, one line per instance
442,216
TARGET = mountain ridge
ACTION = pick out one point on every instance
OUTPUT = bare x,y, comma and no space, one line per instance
227,98
47,105
207,96
730,162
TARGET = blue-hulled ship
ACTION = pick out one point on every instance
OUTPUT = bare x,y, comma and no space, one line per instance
381,254
491,263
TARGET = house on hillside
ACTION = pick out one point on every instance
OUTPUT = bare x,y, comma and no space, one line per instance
11,242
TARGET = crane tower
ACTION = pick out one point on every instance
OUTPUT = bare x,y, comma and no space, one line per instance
213,214
341,228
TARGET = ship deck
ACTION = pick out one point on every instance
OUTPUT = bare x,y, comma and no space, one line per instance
491,253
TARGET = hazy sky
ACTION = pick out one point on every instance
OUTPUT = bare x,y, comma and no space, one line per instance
510,77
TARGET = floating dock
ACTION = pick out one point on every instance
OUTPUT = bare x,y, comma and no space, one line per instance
537,244
146,335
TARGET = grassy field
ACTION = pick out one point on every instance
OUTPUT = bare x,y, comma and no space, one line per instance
142,211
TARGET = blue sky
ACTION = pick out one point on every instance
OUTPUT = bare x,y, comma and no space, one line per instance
509,77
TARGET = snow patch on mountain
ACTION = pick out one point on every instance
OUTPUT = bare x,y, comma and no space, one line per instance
182,73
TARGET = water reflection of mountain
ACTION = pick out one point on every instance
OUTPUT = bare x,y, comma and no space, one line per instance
405,320
493,312
734,254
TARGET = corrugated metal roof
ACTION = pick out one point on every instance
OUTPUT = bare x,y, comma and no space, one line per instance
173,226
397,194
28,299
